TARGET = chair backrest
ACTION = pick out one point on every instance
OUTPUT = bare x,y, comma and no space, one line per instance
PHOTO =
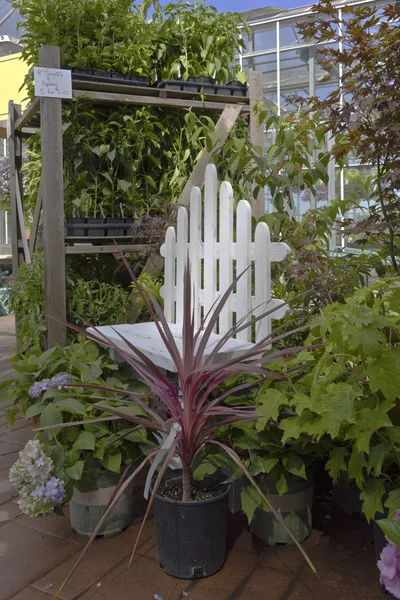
215,258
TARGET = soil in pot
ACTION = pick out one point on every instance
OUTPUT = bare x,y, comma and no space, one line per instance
191,536
295,507
87,508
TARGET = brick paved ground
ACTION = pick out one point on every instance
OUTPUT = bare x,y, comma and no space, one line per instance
36,554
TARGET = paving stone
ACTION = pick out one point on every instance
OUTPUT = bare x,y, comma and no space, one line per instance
4,473
53,525
27,554
8,447
8,460
141,581
263,583
102,556
20,436
9,511
30,594
7,492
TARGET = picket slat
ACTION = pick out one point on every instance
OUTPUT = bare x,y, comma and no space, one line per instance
195,251
181,260
169,293
210,237
243,260
225,259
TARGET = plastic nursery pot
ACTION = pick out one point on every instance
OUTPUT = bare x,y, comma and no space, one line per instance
97,229
191,536
202,84
113,228
347,497
87,508
295,508
76,226
172,84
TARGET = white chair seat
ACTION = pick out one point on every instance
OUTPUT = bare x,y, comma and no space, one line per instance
146,338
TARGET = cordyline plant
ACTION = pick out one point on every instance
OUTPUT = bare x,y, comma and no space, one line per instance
188,417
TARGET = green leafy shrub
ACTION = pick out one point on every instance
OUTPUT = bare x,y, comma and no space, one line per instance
98,302
349,392
79,451
26,300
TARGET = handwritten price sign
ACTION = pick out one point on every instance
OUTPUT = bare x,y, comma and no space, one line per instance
52,83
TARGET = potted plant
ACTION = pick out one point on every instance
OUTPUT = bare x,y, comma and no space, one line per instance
85,459
187,420
283,468
348,394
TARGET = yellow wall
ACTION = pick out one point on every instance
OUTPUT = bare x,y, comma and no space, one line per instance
12,73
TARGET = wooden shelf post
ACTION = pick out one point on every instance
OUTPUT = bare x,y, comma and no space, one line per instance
256,135
14,111
53,207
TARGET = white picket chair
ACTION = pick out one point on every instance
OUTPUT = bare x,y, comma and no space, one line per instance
214,257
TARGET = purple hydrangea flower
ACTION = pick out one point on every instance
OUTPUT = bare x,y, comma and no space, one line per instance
389,567
58,381
52,490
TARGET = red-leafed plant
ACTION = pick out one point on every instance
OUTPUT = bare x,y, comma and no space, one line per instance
190,416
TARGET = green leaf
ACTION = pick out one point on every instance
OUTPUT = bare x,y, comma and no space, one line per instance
72,406
372,497
85,441
391,529
289,139
124,185
75,472
51,416
263,465
113,461
251,500
384,374
295,465
393,502
357,464
269,403
282,485
57,456
337,407
337,462
377,456
35,410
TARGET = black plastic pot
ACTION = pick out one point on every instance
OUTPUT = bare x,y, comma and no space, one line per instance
202,84
295,507
191,536
81,74
97,229
233,88
129,79
347,497
101,76
238,88
74,227
172,84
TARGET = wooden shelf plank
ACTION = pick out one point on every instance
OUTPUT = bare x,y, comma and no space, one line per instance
111,97
136,90
28,115
110,249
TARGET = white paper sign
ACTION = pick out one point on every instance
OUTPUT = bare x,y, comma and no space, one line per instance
52,83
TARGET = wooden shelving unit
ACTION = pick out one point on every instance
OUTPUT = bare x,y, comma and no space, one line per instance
45,114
